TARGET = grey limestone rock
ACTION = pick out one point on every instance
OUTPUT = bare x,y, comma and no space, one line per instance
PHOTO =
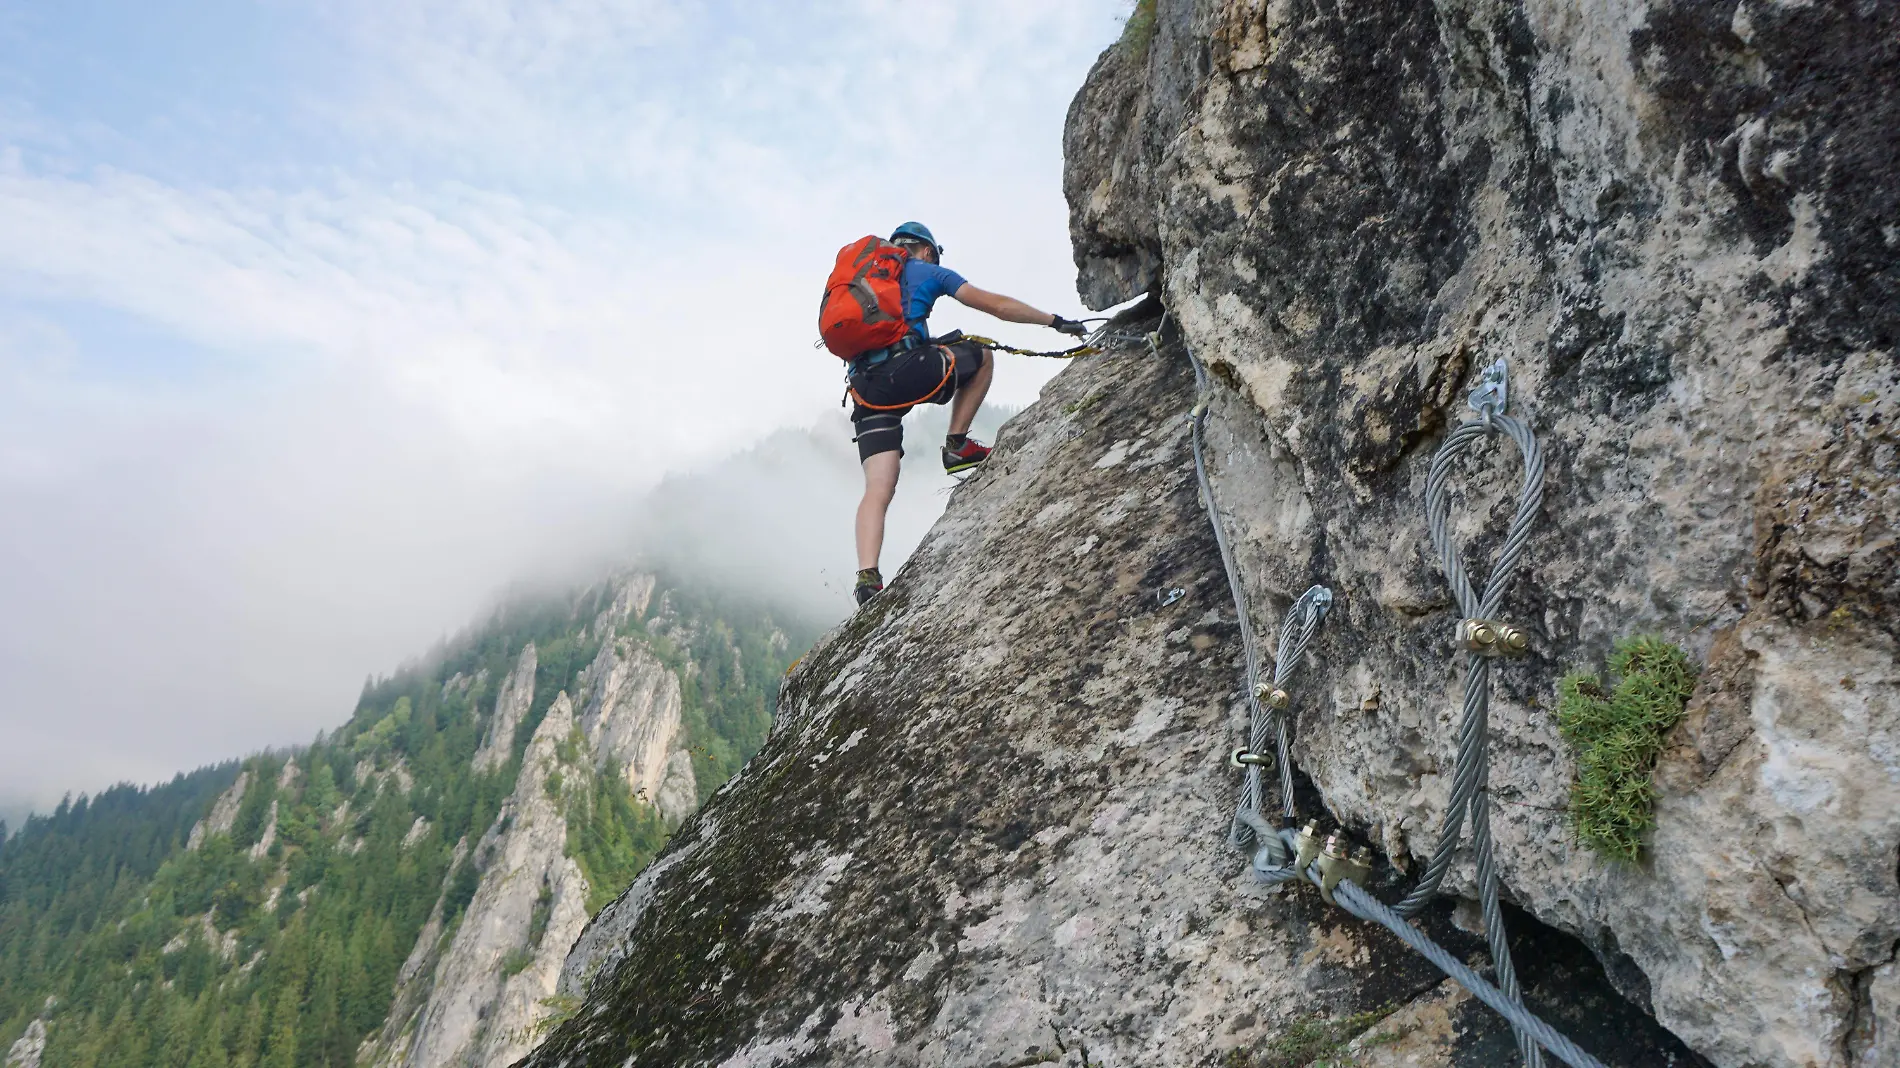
491,982
27,1050
1680,222
678,795
989,825
389,1047
268,837
475,991
511,704
632,716
632,592
223,813
988,829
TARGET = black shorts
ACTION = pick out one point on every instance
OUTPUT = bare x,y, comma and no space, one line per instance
930,374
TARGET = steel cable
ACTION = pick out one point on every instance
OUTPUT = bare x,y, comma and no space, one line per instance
1509,1005
1359,902
1469,795
1273,856
1296,632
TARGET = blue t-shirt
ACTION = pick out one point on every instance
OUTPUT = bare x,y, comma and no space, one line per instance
923,283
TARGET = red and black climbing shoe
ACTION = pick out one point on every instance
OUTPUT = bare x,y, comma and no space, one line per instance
963,454
870,584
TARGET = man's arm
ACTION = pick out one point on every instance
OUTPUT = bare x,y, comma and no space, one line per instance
1008,309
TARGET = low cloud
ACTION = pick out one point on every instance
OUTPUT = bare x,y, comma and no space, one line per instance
301,364
777,519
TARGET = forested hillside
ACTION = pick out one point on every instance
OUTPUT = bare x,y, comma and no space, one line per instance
261,912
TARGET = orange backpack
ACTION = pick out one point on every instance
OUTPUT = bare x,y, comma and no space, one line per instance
863,307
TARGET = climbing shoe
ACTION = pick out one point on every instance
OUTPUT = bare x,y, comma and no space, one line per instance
870,584
963,455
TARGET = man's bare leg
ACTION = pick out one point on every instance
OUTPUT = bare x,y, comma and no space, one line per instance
969,398
880,485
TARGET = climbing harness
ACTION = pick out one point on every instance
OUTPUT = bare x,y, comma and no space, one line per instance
1333,865
949,369
1090,347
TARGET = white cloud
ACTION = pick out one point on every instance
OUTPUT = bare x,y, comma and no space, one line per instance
525,259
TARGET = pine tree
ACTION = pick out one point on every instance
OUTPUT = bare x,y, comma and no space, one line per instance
322,793
250,1043
321,1023
283,1033
210,1051
179,1030
362,1008
124,1045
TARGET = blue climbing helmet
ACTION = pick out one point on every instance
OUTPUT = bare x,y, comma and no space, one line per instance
917,231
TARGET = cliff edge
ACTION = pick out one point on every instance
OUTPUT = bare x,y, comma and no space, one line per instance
1680,223
989,827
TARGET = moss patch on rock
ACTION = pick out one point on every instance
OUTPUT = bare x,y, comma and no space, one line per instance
1616,735
1310,1042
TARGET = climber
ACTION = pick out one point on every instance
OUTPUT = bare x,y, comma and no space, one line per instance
886,383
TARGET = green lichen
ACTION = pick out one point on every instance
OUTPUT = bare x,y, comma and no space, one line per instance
1083,404
1314,1041
1616,736
560,1009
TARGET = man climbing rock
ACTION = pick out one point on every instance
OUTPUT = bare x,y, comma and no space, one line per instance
888,382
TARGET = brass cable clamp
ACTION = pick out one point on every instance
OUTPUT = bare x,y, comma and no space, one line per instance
1276,699
1338,860
1489,637
1245,758
1306,846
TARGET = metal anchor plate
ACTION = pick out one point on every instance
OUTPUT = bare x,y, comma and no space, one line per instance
1493,394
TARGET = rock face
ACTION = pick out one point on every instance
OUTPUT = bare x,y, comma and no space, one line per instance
511,706
988,827
223,813
489,985
678,795
260,848
476,989
26,1052
633,717
988,830
1680,222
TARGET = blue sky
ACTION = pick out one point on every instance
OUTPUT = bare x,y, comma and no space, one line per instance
320,322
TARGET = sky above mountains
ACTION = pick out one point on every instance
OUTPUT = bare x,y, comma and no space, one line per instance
322,322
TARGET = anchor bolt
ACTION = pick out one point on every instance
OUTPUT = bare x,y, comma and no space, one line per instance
1488,637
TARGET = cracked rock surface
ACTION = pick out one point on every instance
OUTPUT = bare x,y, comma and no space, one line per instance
1680,222
989,826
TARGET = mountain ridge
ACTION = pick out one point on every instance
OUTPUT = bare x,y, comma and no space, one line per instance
403,890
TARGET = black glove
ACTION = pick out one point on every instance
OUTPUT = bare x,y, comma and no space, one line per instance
1067,326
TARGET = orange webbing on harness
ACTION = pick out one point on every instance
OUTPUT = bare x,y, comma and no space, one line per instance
949,369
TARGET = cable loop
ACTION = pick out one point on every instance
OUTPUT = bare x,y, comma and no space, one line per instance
1279,855
1469,793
